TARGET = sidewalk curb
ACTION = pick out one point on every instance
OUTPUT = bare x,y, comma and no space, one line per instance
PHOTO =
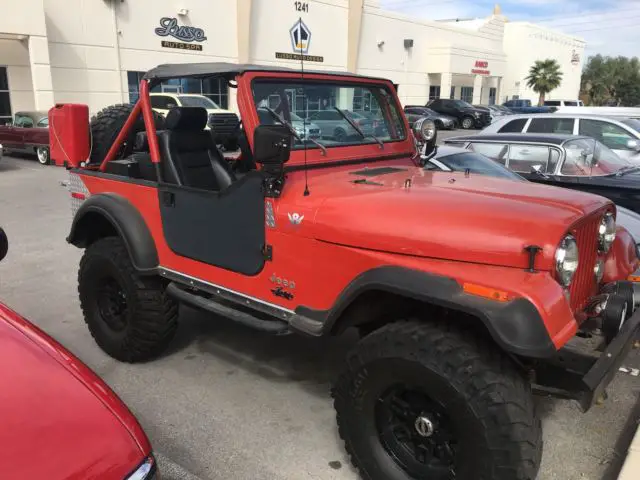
631,468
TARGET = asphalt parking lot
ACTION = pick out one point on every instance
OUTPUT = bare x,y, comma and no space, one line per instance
230,403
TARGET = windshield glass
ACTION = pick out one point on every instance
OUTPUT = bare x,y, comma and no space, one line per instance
476,163
633,123
587,157
197,101
372,108
462,104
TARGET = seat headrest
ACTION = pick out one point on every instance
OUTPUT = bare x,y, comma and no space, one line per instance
186,118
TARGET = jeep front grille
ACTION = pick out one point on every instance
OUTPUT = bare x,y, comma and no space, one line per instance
584,283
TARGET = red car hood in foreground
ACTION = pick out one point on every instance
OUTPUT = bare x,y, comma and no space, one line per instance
474,218
59,420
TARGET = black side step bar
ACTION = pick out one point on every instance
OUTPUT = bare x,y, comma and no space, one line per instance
275,327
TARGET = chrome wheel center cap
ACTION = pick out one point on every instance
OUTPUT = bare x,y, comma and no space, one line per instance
424,426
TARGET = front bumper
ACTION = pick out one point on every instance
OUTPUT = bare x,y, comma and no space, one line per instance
583,375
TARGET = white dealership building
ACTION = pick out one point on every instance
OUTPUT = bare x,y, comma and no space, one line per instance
95,51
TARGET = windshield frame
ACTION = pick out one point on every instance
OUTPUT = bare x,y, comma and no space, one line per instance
500,170
341,82
343,155
632,123
597,149
462,104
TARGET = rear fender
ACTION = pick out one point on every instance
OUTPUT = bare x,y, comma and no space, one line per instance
516,326
109,214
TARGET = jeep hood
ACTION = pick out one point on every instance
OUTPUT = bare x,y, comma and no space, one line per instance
473,218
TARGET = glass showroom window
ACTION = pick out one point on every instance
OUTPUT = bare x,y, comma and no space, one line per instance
214,88
5,101
492,95
466,94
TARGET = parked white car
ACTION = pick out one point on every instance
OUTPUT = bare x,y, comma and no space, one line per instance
618,112
223,123
563,103
622,135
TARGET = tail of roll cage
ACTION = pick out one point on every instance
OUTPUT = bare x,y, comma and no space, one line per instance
143,104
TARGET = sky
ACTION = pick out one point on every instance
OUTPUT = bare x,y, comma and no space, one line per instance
610,27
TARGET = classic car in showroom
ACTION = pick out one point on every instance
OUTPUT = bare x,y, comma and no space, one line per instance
27,133
60,421
455,159
570,161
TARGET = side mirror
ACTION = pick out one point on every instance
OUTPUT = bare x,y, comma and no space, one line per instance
633,145
272,147
4,244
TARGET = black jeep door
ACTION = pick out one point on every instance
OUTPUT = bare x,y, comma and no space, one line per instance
225,228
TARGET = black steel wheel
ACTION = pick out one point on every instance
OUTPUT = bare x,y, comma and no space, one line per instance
428,401
111,302
129,315
416,432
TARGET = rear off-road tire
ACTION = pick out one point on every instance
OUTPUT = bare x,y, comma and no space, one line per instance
417,392
106,125
130,316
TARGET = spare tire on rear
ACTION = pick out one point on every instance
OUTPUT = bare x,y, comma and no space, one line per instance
106,125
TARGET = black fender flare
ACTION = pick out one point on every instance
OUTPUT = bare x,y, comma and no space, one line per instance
516,326
127,222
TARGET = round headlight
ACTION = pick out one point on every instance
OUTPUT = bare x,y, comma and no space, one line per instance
606,232
424,129
566,260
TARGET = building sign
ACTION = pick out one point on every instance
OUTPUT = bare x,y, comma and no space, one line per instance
575,58
481,67
169,28
181,46
300,37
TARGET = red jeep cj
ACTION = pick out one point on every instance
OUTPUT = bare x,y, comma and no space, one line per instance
470,292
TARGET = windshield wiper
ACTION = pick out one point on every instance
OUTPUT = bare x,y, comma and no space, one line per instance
277,118
357,128
627,169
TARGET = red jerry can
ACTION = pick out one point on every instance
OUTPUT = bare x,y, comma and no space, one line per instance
69,134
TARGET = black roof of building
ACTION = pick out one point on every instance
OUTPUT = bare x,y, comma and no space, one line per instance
227,70
552,138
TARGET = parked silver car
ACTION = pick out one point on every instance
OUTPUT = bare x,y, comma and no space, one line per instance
622,135
442,121
304,129
335,127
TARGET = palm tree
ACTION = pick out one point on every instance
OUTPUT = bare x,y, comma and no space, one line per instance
544,76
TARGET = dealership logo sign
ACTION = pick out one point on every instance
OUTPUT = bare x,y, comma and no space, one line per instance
169,28
300,36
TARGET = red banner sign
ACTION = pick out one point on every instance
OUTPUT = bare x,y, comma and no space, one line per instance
481,68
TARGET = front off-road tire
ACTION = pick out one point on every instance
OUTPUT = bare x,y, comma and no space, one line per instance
106,125
130,316
427,401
